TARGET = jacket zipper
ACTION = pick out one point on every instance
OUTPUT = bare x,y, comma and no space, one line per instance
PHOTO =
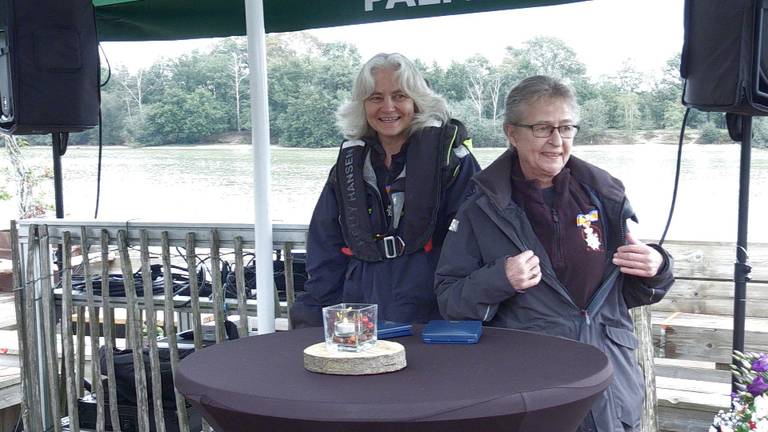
622,237
612,276
585,314
556,222
375,188
547,270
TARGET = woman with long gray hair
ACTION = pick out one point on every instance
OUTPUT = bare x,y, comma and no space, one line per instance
379,224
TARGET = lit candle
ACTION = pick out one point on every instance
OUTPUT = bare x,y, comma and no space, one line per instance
345,328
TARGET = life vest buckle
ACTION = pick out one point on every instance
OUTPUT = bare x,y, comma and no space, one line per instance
390,246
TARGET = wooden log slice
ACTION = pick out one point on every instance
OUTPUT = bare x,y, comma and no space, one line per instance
383,357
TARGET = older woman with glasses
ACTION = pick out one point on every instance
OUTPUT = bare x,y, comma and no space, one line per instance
544,246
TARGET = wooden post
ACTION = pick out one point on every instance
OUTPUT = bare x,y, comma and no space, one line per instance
642,318
194,291
154,358
93,318
170,331
80,358
31,321
109,332
219,304
142,405
19,292
66,331
242,306
49,329
289,288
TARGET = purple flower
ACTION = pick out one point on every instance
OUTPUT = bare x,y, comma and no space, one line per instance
761,363
758,386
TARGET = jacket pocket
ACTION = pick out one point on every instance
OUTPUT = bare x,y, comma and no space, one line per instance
622,337
628,387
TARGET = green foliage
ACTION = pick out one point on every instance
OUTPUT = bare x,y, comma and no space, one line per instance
186,99
30,202
544,55
594,121
673,115
4,194
185,117
305,122
629,113
760,132
114,123
483,131
306,86
711,134
628,79
453,82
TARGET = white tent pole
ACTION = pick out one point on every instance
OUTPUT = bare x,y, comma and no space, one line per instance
257,64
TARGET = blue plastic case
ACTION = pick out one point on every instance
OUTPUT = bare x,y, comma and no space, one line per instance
392,329
452,332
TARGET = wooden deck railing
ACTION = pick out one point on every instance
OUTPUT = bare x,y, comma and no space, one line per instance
45,298
691,328
693,331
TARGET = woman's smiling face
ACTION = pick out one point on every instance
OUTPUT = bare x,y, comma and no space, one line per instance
389,110
542,158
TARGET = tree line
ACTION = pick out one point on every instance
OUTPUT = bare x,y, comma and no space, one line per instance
203,95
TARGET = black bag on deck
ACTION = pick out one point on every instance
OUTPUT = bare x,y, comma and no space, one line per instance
124,376
129,417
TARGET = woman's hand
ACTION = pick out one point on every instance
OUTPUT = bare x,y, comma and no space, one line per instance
523,271
637,259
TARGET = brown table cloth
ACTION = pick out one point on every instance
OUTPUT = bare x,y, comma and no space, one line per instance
510,381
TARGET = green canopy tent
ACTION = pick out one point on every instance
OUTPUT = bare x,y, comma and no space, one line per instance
143,20
146,20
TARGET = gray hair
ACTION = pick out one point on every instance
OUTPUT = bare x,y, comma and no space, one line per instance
428,105
532,90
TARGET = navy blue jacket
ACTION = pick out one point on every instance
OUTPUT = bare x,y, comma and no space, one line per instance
402,287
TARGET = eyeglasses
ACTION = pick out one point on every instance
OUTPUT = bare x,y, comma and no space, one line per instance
546,130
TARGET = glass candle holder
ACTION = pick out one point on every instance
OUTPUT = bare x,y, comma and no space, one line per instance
350,326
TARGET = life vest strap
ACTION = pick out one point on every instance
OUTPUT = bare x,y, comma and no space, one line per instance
392,247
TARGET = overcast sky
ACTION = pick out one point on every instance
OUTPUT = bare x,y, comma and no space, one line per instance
604,33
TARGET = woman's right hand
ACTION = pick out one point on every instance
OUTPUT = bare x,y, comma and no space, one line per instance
523,271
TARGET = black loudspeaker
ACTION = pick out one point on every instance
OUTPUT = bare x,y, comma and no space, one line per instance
725,56
49,66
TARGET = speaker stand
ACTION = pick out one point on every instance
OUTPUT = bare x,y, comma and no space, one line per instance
59,148
740,126
59,141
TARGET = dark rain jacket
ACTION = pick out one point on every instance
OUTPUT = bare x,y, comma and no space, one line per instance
471,283
402,287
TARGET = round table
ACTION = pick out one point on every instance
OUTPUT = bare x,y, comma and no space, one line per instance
510,381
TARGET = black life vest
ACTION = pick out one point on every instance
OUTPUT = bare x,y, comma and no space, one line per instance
434,164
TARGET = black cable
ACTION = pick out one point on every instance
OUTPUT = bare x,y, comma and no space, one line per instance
109,67
101,137
98,165
677,176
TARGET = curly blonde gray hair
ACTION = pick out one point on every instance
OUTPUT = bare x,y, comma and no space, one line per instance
428,105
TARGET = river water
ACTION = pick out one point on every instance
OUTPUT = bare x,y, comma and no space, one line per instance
214,183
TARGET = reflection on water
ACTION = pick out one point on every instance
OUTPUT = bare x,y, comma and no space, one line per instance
214,184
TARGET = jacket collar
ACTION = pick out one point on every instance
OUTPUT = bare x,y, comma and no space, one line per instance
494,180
